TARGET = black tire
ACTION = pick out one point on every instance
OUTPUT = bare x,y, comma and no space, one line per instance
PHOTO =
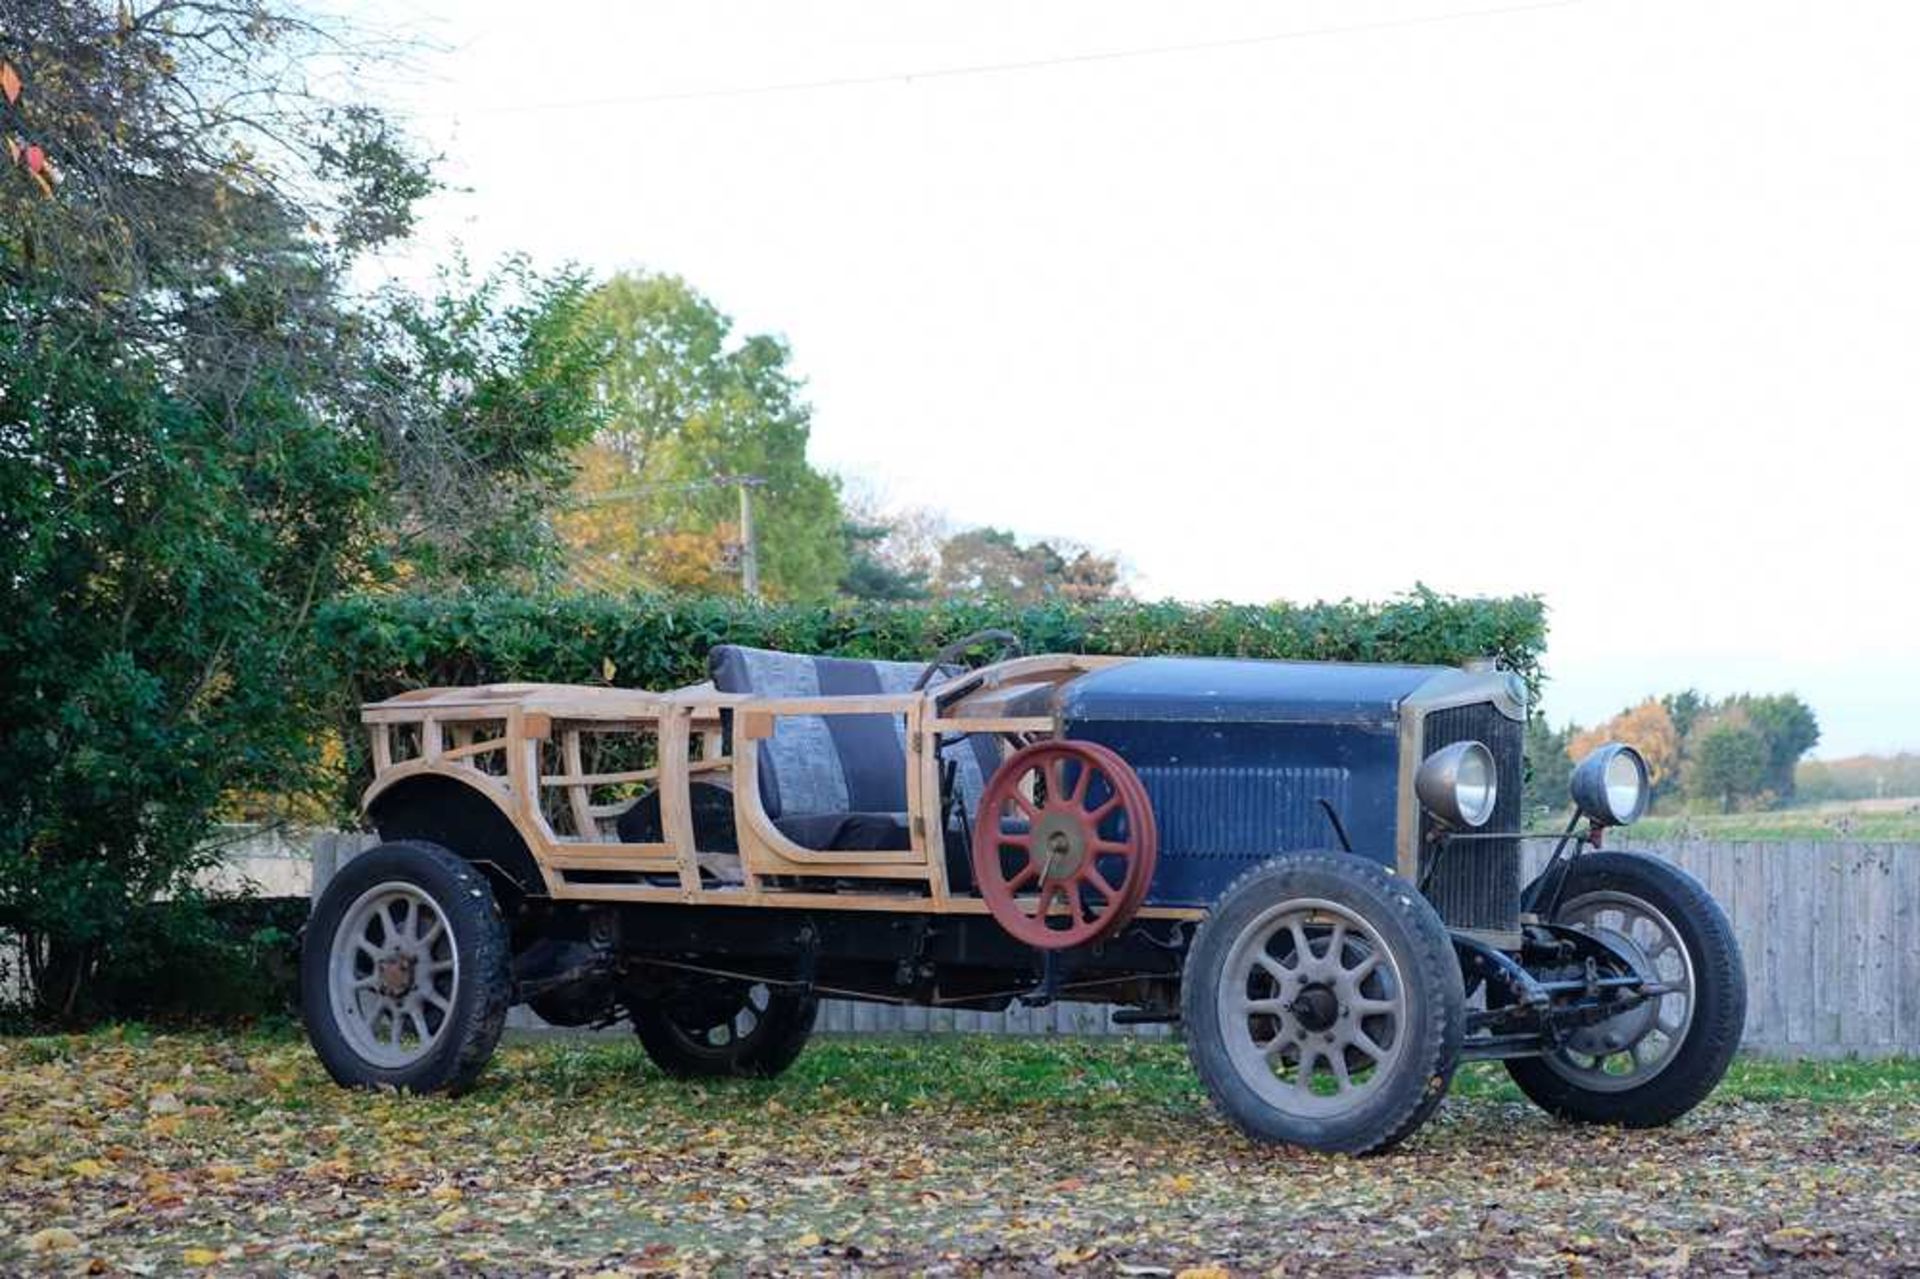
478,990
702,1036
1396,1097
1719,1014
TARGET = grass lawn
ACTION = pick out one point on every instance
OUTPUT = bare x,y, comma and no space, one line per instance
140,1153
1818,825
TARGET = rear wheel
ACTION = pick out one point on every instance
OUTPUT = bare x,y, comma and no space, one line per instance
1652,1063
405,976
1323,1004
725,1028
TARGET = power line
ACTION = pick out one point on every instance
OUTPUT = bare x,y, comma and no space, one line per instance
1027,64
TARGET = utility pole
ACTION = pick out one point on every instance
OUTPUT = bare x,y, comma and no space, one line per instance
749,556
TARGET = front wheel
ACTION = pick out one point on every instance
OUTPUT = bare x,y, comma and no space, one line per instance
1658,1060
405,976
1323,1004
725,1028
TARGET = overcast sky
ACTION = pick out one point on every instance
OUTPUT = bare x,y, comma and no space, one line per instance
1616,301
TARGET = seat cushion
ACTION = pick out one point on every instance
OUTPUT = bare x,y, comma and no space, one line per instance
837,764
847,832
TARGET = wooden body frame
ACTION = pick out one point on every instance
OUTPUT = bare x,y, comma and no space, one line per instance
490,739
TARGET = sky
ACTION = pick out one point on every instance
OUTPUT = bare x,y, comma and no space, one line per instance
1612,301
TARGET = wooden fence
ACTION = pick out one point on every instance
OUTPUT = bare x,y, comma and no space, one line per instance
1830,934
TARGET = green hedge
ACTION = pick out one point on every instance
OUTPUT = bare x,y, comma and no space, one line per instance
192,961
389,643
385,644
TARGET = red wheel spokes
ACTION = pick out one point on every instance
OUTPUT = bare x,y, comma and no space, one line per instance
1060,853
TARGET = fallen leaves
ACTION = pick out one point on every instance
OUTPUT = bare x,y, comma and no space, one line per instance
52,1239
214,1154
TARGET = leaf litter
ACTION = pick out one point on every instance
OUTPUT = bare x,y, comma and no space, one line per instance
135,1154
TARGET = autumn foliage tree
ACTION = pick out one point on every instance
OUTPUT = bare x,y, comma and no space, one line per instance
995,564
1742,750
1648,729
694,412
917,554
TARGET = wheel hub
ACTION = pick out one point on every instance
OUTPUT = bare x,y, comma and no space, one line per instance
1316,1008
1624,1030
395,972
1059,845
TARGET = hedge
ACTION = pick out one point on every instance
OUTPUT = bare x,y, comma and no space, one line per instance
384,644
193,961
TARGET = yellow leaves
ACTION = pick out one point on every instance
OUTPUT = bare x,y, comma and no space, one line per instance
1648,728
10,85
166,1125
506,1179
54,1239
161,1190
337,1168
1791,1239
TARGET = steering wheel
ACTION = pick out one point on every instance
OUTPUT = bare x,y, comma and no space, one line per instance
1006,645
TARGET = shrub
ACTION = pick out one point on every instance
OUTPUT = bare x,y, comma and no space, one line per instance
384,644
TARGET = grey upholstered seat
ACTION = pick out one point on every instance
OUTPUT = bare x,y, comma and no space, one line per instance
839,781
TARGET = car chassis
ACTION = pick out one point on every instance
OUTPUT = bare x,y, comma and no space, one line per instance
1048,850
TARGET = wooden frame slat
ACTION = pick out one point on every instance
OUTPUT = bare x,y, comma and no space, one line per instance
687,725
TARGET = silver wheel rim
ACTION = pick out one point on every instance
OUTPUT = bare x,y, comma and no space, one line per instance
731,1032
1652,1048
1313,1008
394,972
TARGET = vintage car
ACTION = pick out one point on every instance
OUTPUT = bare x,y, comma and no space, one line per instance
1315,869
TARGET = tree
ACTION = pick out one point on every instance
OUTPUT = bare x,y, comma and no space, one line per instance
1858,777
691,414
992,563
1683,708
1789,728
205,434
484,392
869,575
1549,765
1648,729
1726,759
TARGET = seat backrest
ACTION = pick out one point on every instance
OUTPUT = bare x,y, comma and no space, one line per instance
835,763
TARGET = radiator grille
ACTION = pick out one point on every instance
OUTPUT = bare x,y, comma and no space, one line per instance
1476,883
1243,812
